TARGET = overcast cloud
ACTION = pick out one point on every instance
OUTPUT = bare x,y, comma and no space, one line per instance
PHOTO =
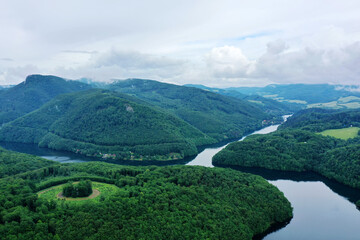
216,43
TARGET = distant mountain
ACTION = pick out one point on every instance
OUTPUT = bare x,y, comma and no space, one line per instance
33,93
106,124
317,119
268,105
3,87
220,117
92,83
302,93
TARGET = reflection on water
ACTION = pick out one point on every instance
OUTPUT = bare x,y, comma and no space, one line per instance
318,213
204,158
69,157
323,209
348,193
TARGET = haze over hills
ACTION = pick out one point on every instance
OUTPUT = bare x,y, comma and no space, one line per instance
310,95
33,93
218,116
106,124
270,89
268,105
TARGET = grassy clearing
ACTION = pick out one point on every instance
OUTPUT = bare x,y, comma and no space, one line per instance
104,190
344,133
350,102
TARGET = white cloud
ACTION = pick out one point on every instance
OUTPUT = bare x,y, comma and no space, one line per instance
228,62
14,75
125,64
281,65
219,43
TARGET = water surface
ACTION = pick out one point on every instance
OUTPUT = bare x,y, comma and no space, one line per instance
323,209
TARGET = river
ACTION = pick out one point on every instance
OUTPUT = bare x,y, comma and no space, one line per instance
323,209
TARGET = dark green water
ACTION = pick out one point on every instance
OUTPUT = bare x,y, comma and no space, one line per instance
323,208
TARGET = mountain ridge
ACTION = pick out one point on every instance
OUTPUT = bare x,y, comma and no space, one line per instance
32,93
106,124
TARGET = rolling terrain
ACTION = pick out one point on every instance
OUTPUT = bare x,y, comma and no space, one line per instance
174,202
106,124
220,117
299,146
33,93
268,105
308,95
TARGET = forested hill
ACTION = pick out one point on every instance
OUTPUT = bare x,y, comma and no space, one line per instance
219,116
174,202
309,93
302,145
106,124
317,119
33,93
268,105
12,163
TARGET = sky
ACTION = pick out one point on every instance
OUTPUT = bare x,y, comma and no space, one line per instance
215,43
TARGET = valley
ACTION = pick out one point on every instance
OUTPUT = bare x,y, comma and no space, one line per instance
132,125
180,120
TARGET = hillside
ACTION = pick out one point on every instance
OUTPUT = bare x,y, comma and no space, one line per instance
175,202
218,116
106,124
300,146
12,163
33,93
318,120
310,95
268,105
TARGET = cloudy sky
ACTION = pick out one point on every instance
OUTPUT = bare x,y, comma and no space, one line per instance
216,43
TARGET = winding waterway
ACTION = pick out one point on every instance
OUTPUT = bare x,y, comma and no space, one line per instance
323,209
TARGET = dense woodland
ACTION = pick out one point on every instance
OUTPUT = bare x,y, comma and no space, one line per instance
152,121
317,119
75,190
106,124
175,202
33,93
147,120
268,105
218,116
12,163
296,147
308,93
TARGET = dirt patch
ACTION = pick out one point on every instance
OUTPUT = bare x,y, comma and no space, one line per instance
94,194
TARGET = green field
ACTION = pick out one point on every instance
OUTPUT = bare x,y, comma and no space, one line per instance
104,189
344,133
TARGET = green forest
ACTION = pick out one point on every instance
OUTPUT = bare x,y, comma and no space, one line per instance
134,119
175,202
220,117
106,124
75,190
12,163
33,93
299,147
